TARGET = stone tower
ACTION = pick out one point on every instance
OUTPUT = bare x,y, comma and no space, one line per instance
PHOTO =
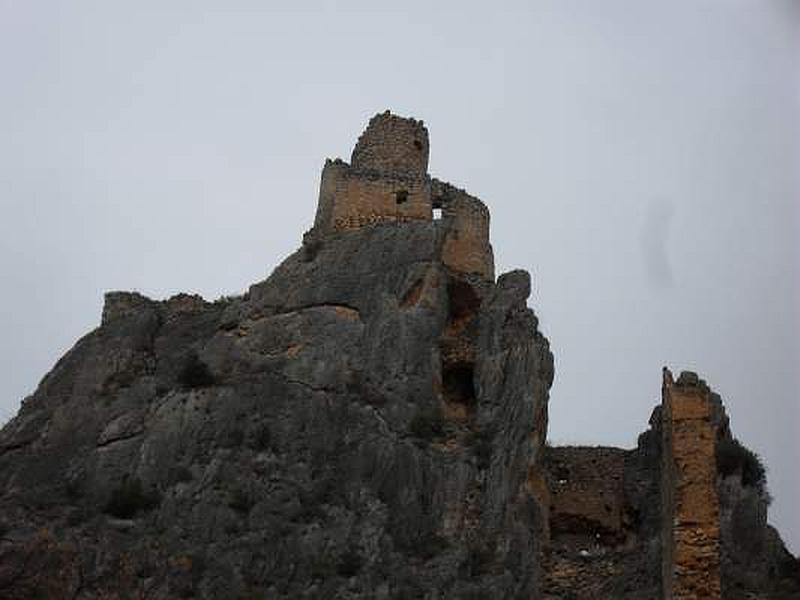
690,511
392,144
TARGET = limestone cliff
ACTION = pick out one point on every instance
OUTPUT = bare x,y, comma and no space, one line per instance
368,422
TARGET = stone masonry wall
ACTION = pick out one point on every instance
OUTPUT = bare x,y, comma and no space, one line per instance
350,199
466,246
691,534
587,495
392,144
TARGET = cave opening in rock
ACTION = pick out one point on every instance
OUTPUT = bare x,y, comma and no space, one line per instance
464,302
458,384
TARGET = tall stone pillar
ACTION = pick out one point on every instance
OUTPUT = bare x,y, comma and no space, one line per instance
691,557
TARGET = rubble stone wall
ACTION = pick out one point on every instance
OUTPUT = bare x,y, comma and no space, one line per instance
587,495
392,144
351,199
691,534
466,246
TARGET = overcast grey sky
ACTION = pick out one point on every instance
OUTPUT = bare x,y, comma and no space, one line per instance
641,159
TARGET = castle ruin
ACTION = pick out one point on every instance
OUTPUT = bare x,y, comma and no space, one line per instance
690,509
370,421
387,182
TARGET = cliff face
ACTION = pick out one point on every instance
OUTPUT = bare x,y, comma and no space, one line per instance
369,422
360,424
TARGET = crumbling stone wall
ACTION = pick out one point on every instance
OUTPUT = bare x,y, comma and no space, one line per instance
691,533
466,245
587,495
392,144
682,516
597,548
350,198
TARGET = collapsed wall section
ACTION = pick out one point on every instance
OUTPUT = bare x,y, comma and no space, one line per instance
690,503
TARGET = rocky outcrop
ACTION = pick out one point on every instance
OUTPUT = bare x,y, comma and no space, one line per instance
294,442
359,425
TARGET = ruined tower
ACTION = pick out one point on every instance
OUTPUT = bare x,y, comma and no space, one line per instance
387,182
392,144
690,512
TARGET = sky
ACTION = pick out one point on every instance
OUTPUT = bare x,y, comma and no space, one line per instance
639,158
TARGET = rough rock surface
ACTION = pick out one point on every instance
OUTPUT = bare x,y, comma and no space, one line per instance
291,443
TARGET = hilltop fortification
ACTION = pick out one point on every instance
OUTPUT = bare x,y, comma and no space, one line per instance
369,422
387,181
